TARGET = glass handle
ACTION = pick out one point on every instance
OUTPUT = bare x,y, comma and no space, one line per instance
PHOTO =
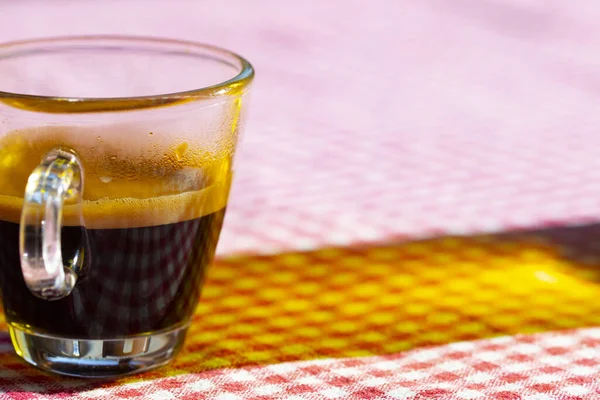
57,179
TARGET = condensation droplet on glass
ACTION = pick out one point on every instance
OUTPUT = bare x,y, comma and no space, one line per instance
113,158
180,151
105,179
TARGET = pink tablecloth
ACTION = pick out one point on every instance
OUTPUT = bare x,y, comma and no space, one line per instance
385,119
562,366
388,118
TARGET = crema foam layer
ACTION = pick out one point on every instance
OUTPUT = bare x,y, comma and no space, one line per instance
127,182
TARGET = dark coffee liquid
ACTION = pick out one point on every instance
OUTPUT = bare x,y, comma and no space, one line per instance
134,280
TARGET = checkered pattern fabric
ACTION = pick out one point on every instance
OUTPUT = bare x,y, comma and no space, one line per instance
343,302
421,119
557,366
373,300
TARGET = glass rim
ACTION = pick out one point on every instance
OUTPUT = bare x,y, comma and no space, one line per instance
68,104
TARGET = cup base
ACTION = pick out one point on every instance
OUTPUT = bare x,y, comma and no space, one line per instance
97,358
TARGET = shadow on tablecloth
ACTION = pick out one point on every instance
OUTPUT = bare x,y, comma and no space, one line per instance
376,299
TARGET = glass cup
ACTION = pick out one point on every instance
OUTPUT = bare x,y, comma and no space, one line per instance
116,159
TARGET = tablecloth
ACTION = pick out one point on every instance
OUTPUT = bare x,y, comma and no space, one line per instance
375,124
306,325
554,366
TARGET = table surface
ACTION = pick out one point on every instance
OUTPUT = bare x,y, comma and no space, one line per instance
395,155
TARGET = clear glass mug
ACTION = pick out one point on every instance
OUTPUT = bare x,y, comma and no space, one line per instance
116,159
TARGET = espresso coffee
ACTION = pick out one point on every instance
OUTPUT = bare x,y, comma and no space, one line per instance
150,227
